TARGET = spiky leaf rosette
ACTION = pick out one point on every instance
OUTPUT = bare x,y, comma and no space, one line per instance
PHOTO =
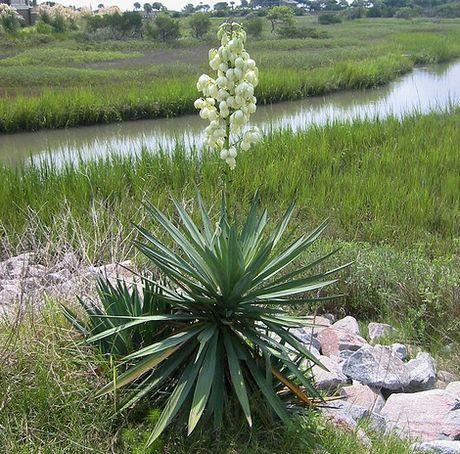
230,303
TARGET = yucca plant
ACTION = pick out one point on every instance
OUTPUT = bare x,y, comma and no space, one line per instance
118,303
228,301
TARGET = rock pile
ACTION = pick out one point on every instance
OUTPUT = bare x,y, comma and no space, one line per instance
376,382
23,278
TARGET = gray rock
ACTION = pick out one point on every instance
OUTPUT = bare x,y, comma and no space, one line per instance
422,373
454,389
344,355
438,447
377,366
305,334
379,330
327,380
446,377
68,261
400,350
358,414
58,277
16,267
426,415
349,324
364,396
334,340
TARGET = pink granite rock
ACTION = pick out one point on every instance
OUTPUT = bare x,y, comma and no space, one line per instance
334,340
349,324
427,415
364,396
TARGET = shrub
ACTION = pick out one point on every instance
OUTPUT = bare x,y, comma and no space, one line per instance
43,28
127,24
328,18
254,26
10,20
199,24
450,10
292,31
164,28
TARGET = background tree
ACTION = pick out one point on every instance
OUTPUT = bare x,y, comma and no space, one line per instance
199,24
157,6
100,6
244,4
220,6
165,28
280,15
148,8
188,9
137,6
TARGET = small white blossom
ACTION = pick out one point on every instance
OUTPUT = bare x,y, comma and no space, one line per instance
228,101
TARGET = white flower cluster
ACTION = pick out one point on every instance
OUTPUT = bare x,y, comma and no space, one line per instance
7,11
57,11
228,100
109,11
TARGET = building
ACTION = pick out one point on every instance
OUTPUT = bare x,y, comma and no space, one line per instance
24,9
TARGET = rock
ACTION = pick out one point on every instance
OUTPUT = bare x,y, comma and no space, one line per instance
327,380
438,447
330,317
58,277
377,366
68,261
454,388
320,323
349,324
427,415
400,350
334,340
445,376
16,267
305,334
379,330
422,373
358,413
36,271
9,293
347,424
344,355
364,396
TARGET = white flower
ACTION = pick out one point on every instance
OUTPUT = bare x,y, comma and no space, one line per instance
228,101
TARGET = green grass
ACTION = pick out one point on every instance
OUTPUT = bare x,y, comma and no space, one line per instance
62,56
49,406
358,54
390,189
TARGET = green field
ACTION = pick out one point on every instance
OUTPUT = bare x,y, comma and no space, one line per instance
69,83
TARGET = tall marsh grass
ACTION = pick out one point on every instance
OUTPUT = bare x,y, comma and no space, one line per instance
379,181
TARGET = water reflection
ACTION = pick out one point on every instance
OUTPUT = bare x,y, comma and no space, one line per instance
424,89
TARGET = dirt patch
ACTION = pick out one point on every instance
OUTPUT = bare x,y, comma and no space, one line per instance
157,56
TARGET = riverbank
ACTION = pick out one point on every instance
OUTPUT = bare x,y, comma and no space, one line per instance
389,187
293,69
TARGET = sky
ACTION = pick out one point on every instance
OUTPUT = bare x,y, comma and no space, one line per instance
175,5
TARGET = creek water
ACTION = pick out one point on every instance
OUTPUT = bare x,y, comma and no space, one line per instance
423,90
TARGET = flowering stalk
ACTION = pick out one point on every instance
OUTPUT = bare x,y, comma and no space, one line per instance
228,100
